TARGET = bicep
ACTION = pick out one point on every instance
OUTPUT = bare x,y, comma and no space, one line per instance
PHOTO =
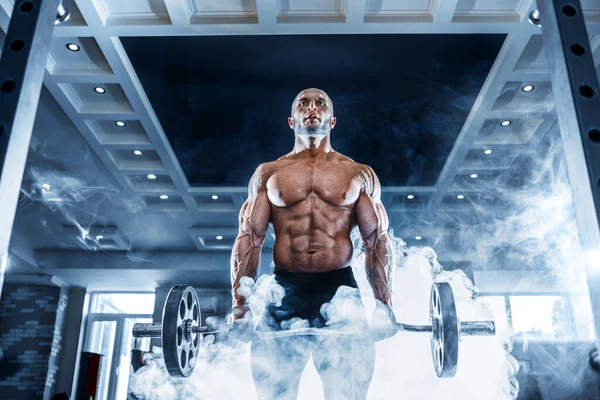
256,212
371,216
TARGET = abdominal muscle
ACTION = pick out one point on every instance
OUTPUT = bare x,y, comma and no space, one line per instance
312,239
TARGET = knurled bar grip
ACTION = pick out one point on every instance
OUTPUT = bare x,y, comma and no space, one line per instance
154,330
478,328
468,328
414,328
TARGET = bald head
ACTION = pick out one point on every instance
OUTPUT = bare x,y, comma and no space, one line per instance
312,113
308,92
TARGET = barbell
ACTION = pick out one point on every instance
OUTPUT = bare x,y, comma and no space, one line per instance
181,330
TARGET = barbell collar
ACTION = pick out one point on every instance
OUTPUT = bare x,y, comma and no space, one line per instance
478,328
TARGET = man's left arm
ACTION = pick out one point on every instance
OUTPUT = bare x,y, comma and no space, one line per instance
373,224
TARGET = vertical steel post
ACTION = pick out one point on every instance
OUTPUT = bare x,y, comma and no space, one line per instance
577,99
22,69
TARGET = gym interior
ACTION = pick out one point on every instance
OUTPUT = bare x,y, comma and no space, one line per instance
124,171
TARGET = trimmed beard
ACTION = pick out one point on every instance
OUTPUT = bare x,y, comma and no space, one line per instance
322,130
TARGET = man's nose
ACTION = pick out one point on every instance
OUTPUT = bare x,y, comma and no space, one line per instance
312,105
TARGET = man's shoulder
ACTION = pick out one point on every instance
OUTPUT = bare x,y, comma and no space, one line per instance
360,168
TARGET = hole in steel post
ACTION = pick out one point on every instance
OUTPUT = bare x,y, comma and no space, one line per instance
586,91
577,49
7,86
569,11
17,45
594,135
26,6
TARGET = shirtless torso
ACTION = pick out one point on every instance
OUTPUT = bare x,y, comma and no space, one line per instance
312,209
313,197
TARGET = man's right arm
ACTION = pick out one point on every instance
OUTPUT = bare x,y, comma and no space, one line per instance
253,225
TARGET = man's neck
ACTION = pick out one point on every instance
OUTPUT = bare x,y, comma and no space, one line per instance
314,145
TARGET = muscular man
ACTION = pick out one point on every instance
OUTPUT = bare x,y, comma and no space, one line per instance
313,197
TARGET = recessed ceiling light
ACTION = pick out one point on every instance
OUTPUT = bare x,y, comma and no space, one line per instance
460,197
151,177
527,88
120,124
219,237
418,237
99,237
99,90
410,197
474,176
164,197
505,123
215,197
137,152
487,152
73,47
46,187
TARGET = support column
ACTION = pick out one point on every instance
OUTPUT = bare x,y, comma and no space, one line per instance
22,69
576,95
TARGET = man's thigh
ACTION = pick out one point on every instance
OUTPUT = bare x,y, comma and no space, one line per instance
345,366
277,366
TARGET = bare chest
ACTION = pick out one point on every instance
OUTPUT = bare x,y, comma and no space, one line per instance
331,182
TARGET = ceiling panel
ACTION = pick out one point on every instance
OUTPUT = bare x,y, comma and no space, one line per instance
413,108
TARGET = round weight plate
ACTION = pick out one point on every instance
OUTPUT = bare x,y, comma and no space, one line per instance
444,335
180,345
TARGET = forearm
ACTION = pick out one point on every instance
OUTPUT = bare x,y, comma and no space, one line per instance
379,262
245,260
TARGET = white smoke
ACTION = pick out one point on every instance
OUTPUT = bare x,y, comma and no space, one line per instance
78,201
530,229
403,364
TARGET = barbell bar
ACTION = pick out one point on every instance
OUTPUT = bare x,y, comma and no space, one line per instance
180,330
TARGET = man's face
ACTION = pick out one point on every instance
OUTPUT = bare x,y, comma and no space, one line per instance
312,113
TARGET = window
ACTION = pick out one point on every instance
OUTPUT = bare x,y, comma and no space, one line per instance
541,318
582,316
122,303
496,310
109,333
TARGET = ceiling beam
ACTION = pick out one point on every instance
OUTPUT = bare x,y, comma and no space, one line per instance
90,14
443,10
267,12
179,12
272,28
121,260
355,11
507,58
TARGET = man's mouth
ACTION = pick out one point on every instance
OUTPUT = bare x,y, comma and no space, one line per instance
312,117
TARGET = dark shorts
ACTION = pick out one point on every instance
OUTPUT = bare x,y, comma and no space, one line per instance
305,293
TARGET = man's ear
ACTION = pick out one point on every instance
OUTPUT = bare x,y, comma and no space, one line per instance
291,122
333,122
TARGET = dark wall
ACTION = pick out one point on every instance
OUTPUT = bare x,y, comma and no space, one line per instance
72,340
30,337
